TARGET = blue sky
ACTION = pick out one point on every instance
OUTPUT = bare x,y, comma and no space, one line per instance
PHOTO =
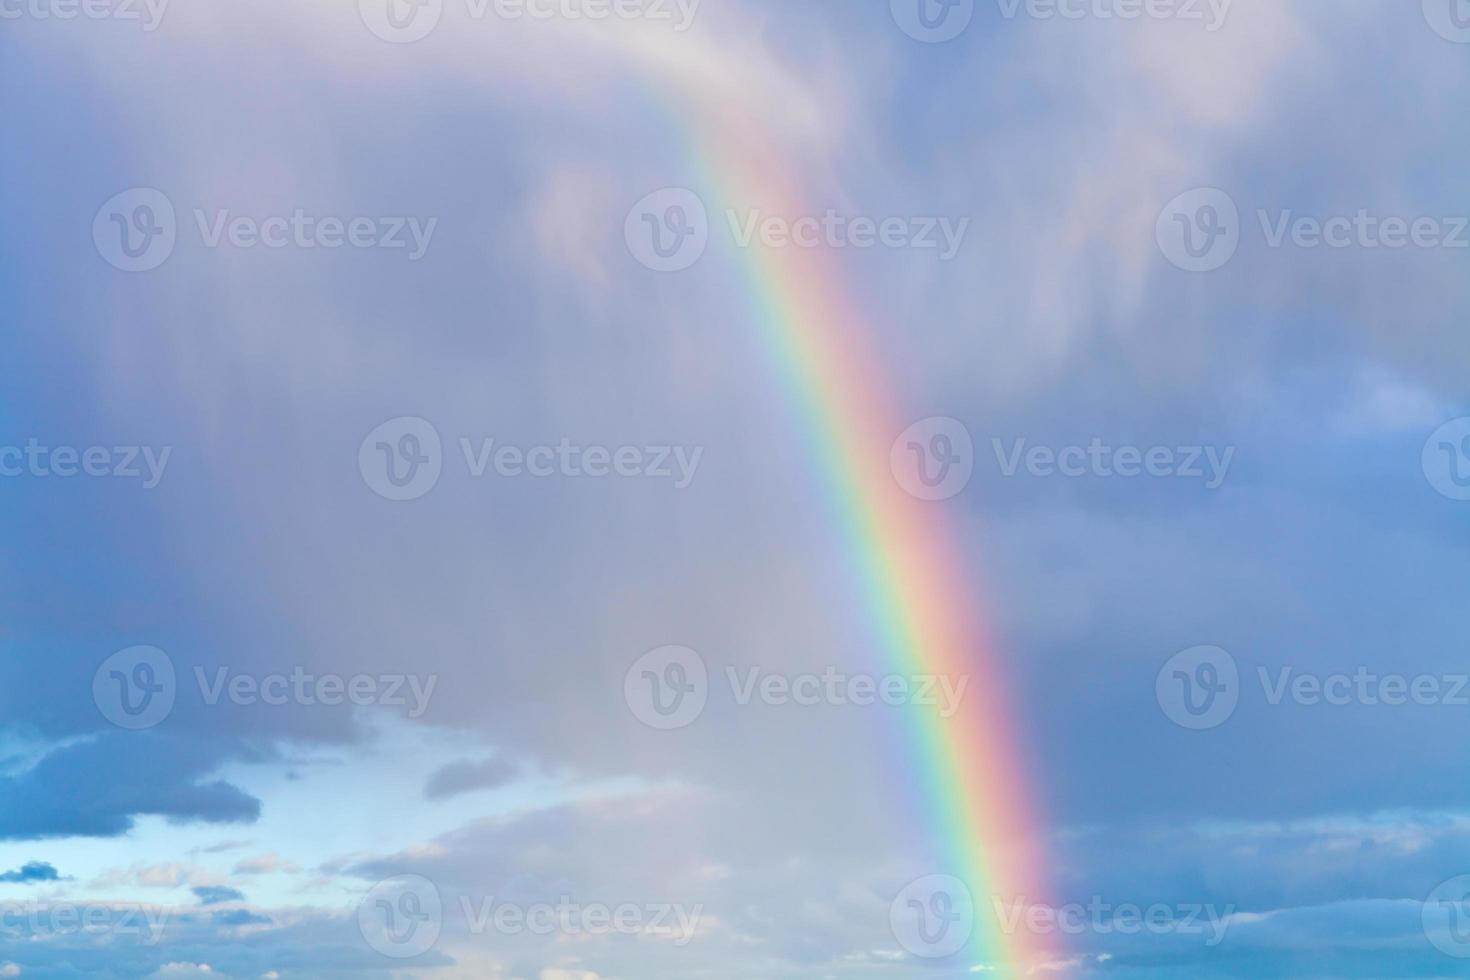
237,533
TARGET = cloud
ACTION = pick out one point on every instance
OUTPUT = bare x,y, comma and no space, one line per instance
181,970
265,864
32,871
163,874
240,917
97,787
217,894
465,777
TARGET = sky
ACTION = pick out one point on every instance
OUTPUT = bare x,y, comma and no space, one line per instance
392,437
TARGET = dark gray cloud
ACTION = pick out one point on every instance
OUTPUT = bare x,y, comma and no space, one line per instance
464,777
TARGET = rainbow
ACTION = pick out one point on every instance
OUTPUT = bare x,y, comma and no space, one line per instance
970,767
